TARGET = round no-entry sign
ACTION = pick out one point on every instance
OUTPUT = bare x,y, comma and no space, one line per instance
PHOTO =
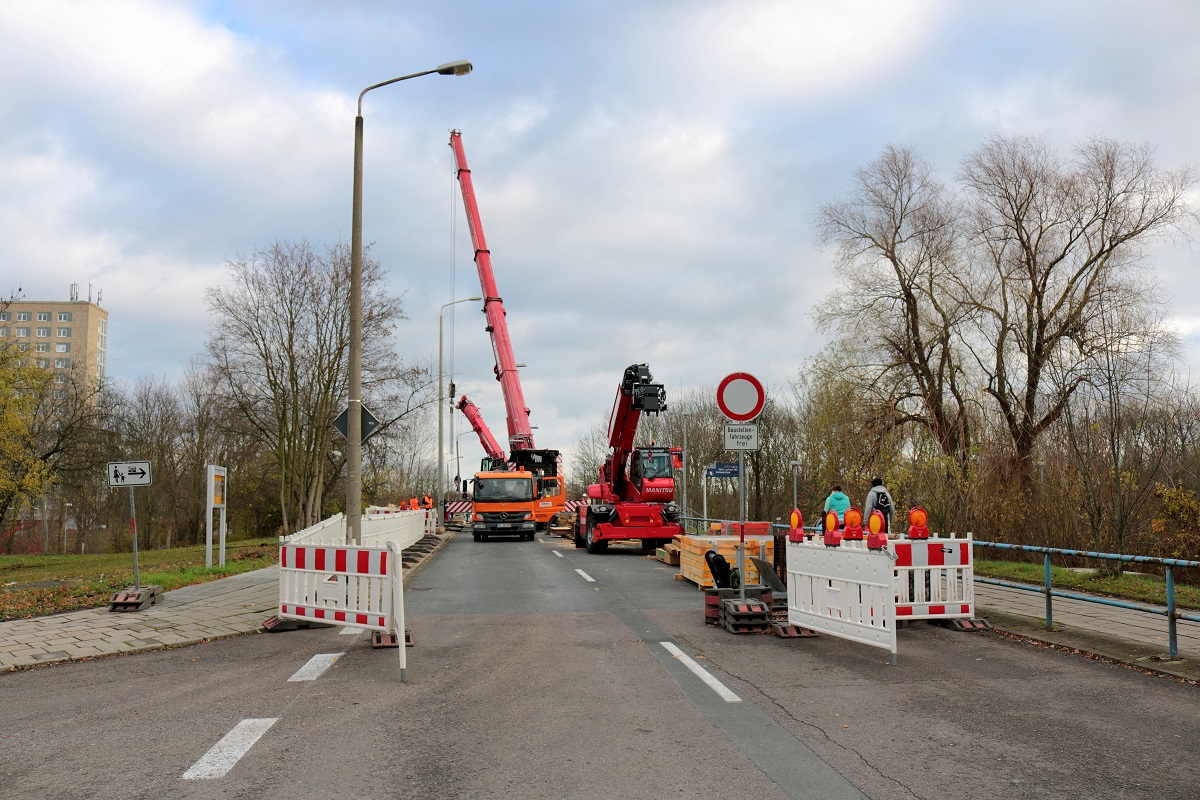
741,397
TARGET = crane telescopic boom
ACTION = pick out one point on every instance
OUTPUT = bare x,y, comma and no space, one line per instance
529,487
520,433
495,453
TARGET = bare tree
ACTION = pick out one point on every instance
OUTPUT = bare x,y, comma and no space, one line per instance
897,239
280,345
1118,423
1050,242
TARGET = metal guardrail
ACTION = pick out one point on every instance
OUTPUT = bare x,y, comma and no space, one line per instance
1169,564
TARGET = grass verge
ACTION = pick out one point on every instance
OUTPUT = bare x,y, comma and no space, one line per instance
34,585
1148,589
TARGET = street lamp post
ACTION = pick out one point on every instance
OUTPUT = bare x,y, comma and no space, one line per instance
458,459
354,404
441,481
685,470
795,466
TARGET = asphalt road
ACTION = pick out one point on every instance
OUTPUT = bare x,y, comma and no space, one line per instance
528,680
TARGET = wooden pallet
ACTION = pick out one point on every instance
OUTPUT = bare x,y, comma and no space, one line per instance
694,568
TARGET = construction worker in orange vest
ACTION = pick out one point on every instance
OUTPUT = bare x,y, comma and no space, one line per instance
427,502
412,504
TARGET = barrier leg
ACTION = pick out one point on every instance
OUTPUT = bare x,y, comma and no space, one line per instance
398,608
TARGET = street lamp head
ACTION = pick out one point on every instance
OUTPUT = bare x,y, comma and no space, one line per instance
454,68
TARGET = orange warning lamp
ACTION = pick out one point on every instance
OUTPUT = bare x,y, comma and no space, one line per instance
918,523
854,519
796,534
877,538
832,537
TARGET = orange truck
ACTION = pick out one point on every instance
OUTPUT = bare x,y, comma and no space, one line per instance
514,503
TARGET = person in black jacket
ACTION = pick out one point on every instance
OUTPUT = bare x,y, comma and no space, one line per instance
879,499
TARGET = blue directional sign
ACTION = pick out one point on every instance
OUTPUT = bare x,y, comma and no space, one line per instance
722,471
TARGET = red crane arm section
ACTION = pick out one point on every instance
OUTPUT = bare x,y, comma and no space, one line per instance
471,412
520,433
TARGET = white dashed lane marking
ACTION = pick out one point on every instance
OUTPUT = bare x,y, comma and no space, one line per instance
701,673
585,576
225,754
315,667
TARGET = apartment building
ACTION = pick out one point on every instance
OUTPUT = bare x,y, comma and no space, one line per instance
65,336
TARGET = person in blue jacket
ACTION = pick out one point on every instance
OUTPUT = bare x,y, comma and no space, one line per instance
839,502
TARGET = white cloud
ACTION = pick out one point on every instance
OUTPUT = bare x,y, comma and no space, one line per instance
788,48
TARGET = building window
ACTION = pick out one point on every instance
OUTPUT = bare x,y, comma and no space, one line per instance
43,316
42,362
62,363
64,316
43,332
22,316
22,331
64,333
3,331
59,394
62,347
3,316
60,378
42,347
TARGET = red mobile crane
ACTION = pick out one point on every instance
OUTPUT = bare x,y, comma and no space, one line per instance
548,493
495,454
640,504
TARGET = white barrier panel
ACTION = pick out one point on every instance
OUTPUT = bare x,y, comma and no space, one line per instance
934,578
404,528
360,587
329,531
845,592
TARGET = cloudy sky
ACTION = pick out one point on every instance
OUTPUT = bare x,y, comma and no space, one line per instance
648,171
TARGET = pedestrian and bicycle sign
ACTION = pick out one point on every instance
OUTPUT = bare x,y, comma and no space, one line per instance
129,473
136,597
720,470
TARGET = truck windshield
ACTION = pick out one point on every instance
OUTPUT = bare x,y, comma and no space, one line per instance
503,490
657,465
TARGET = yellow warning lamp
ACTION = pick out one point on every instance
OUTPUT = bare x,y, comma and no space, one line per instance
854,521
877,537
918,523
832,536
796,534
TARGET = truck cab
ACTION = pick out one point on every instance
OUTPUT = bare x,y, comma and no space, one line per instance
652,475
503,504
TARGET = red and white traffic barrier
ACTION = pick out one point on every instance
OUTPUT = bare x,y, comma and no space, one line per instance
934,578
360,587
842,591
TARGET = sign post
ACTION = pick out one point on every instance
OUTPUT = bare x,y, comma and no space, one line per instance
216,500
131,474
741,398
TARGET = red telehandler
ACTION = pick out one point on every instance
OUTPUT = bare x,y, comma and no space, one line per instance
635,498
532,478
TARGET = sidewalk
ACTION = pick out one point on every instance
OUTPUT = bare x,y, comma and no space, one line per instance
1119,634
227,607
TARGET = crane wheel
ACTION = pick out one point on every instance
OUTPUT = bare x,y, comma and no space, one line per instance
594,546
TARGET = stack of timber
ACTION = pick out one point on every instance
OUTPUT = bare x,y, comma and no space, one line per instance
693,567
669,553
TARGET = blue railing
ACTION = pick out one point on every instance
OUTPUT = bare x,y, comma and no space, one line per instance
1169,564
